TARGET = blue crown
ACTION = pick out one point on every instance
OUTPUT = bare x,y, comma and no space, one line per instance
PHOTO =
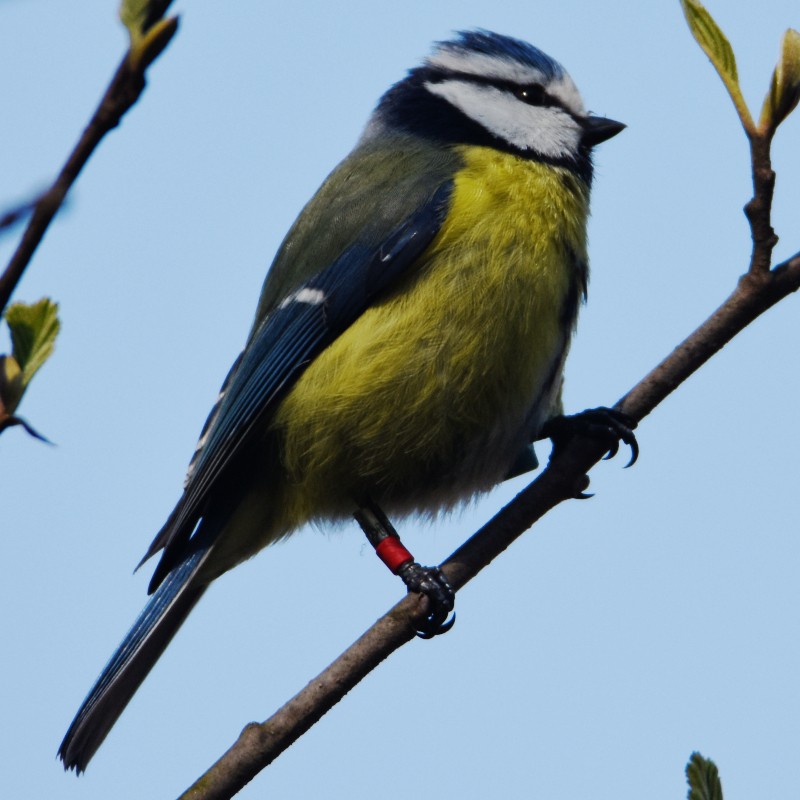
495,44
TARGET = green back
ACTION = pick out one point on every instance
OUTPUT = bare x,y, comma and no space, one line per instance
381,183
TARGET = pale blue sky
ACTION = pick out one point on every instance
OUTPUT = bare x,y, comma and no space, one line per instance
612,640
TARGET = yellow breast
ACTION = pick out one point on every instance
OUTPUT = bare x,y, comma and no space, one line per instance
428,396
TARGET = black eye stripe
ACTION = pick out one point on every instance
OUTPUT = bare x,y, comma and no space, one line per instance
532,94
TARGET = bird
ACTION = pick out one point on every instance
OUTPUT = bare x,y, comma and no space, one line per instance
408,345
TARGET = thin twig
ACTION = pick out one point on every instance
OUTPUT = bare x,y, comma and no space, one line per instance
11,216
565,476
758,210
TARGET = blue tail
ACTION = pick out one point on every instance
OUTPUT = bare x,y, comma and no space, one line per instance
133,660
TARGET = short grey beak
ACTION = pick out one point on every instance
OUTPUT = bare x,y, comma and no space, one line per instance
598,129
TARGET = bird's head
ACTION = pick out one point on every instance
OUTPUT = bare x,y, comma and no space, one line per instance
488,89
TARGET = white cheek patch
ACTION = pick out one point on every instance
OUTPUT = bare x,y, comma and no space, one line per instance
312,297
547,130
486,66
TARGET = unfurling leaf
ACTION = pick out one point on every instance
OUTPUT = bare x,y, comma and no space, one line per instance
33,334
717,47
702,776
144,52
784,90
711,39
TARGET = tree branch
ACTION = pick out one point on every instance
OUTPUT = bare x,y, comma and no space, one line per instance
124,90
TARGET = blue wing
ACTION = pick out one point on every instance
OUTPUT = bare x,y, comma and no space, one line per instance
297,330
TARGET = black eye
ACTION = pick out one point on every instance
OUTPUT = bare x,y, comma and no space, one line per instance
533,95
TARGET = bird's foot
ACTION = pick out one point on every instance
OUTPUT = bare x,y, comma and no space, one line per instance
606,425
431,582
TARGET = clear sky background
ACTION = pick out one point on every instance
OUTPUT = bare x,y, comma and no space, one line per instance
613,639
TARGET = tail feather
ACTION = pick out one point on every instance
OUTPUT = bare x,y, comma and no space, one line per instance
131,663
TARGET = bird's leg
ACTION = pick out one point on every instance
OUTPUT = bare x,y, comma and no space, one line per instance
429,581
608,425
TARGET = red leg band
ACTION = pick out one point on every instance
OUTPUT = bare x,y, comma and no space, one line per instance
391,551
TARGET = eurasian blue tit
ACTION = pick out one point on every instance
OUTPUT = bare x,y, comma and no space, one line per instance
410,338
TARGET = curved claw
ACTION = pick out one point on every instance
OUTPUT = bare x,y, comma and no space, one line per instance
613,450
431,582
634,446
623,426
428,633
609,425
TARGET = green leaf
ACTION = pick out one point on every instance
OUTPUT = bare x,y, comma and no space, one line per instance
717,47
713,41
784,89
133,14
33,334
138,16
702,776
